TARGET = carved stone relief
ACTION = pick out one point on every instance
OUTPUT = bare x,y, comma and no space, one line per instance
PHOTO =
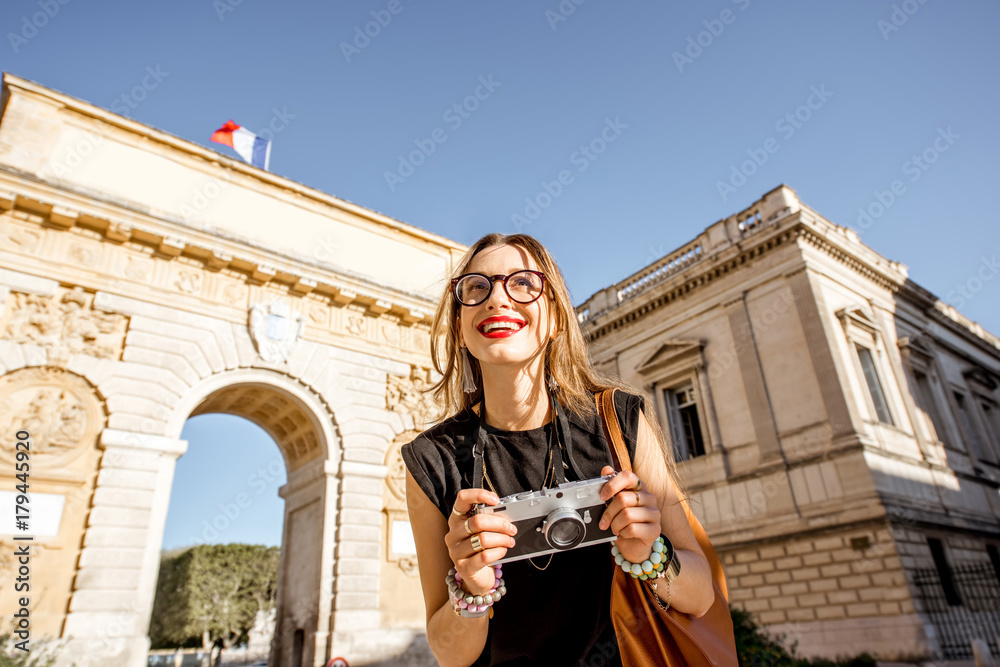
236,294
410,396
138,269
188,281
275,328
396,478
59,409
83,255
21,240
66,324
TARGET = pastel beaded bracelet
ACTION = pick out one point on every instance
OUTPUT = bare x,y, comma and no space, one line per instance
650,568
466,604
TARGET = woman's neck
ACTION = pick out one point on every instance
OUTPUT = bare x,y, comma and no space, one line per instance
516,399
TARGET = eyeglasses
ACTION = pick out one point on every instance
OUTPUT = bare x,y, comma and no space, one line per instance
473,289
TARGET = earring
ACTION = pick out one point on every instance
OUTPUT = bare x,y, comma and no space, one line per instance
553,385
468,379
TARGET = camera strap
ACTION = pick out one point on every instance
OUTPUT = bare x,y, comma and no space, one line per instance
557,442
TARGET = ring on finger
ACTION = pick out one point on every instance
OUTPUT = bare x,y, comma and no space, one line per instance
638,485
477,545
638,500
468,530
456,512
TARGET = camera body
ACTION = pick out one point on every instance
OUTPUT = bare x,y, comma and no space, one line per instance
558,519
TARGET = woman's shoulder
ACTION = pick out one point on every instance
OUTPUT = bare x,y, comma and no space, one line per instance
443,433
432,460
436,445
626,403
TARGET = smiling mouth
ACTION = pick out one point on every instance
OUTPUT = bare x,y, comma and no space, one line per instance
494,327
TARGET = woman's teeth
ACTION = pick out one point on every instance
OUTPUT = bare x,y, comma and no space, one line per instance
494,326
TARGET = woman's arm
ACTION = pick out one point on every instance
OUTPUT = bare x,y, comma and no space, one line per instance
440,546
659,510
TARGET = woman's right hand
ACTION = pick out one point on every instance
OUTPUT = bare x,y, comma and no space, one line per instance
496,535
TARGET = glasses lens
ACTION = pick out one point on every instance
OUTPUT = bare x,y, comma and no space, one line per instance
524,286
472,290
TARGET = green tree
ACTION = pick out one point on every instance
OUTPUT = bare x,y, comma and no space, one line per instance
212,592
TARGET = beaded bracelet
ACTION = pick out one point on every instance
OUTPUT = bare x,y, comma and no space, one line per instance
650,568
467,605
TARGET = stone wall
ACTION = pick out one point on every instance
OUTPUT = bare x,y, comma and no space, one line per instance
823,592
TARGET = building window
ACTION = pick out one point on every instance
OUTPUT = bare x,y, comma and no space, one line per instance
925,398
994,559
970,430
991,420
685,428
874,384
944,572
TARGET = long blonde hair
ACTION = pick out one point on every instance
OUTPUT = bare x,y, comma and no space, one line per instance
566,358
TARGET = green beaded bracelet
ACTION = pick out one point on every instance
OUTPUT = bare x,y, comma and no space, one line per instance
651,568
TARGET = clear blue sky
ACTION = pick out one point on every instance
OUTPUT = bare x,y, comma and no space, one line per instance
888,93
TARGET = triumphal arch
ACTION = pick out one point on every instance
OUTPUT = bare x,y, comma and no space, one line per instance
145,279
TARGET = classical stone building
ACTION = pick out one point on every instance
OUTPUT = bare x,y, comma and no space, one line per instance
837,427
145,279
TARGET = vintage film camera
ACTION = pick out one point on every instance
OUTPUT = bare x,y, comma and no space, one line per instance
558,519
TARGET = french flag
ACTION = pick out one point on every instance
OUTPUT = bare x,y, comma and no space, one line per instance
251,148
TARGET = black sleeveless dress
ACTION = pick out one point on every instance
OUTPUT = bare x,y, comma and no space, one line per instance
559,615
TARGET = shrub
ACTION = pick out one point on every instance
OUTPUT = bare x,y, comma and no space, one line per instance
756,648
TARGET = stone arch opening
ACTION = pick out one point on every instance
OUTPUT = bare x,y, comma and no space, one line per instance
302,426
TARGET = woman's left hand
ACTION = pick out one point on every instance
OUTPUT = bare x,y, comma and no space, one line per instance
634,516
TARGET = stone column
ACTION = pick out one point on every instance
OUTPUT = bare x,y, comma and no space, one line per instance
820,339
307,546
109,611
356,615
753,380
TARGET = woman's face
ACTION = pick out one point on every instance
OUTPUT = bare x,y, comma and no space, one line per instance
534,322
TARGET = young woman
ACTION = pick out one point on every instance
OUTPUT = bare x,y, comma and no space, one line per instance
516,379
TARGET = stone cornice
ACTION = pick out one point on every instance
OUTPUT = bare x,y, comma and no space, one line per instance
687,281
39,92
803,226
948,317
64,211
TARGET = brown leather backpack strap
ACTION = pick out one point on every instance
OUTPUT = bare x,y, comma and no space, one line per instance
613,430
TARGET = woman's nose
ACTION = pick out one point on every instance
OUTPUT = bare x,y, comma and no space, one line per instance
498,296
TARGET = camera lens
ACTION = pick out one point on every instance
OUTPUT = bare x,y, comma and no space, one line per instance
564,529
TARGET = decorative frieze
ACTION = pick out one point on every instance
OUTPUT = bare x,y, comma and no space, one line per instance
181,268
65,324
